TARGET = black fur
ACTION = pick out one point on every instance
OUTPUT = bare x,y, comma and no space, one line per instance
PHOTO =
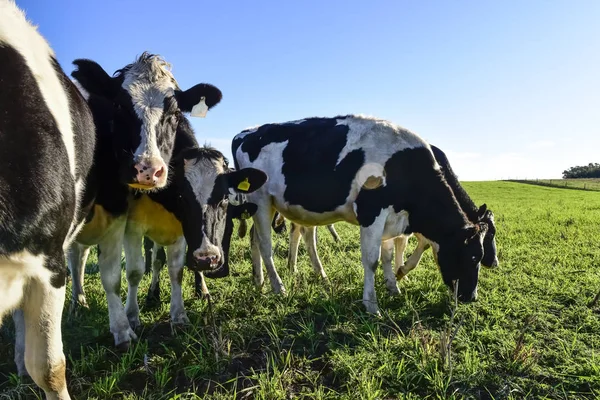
475,214
37,190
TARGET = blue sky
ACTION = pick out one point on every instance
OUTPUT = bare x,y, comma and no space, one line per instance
508,89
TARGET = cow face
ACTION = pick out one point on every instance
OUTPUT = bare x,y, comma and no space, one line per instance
205,184
144,108
459,257
490,256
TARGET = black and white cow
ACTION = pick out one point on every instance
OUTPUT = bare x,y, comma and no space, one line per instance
155,254
46,153
192,210
474,214
365,171
143,106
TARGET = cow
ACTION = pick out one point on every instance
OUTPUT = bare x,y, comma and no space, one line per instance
155,256
193,209
365,171
236,210
47,145
143,106
475,214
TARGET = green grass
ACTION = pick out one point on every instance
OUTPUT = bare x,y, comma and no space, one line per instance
530,335
581,183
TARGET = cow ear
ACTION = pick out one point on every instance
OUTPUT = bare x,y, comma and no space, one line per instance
482,210
92,77
198,99
246,180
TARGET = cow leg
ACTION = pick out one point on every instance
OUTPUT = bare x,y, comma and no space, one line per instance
76,258
309,234
262,231
295,232
415,257
175,263
41,313
158,261
370,246
149,250
109,262
387,256
400,244
202,288
257,271
334,233
134,267
19,321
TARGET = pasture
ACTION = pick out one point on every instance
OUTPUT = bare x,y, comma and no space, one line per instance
531,334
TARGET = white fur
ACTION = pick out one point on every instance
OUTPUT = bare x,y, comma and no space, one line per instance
25,284
149,84
18,33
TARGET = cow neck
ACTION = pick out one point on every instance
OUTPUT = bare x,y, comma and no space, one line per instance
466,203
420,188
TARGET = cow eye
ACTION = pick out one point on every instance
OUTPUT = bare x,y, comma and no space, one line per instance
474,258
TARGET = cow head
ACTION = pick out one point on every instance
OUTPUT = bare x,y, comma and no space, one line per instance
142,105
205,183
490,256
459,256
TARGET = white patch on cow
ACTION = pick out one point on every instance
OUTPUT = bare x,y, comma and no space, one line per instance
149,82
18,33
15,271
201,174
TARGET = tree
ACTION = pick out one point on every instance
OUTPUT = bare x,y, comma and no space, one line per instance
592,170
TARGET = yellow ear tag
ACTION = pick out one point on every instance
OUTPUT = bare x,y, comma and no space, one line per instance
244,185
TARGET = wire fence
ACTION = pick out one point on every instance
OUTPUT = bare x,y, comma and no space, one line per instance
577,184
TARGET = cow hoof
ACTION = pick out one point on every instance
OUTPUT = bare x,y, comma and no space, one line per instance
135,323
123,340
180,319
372,308
206,297
123,347
394,291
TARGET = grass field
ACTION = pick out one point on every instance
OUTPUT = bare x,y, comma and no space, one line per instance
584,184
531,334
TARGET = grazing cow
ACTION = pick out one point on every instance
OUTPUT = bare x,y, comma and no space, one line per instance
365,171
475,215
143,106
46,153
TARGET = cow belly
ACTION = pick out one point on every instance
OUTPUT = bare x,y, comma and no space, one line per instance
299,215
395,224
153,220
93,232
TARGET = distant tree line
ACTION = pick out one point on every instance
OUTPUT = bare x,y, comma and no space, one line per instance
592,170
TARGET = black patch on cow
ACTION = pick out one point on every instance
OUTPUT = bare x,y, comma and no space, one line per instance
309,160
37,196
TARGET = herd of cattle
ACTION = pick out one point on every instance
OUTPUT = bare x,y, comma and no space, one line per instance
101,160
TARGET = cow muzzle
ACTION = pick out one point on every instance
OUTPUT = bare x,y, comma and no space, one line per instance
150,174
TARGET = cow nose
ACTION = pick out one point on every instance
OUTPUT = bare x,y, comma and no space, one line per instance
206,257
151,173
